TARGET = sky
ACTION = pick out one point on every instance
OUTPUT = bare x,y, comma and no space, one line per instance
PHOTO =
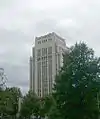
22,20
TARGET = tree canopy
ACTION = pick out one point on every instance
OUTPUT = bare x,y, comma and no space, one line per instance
30,105
9,101
78,84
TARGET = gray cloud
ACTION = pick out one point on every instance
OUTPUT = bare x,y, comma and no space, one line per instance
14,57
22,20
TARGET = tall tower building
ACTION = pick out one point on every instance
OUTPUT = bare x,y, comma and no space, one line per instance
45,62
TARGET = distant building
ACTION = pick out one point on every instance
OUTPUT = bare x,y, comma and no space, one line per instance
45,62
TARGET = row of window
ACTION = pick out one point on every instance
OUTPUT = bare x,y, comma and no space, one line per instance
39,75
43,41
45,77
44,51
44,58
45,90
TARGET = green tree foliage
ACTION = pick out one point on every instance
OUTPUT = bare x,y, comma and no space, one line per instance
33,105
9,101
54,113
15,93
52,110
46,105
30,105
77,85
5,105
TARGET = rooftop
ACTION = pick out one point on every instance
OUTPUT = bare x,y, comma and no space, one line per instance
50,34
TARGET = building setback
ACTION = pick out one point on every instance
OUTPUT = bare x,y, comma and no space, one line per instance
45,62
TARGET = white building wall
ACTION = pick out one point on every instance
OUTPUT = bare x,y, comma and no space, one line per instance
31,73
33,69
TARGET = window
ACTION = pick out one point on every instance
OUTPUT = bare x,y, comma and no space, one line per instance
39,42
49,39
56,49
50,50
44,51
58,60
38,59
39,52
50,75
43,41
50,57
39,75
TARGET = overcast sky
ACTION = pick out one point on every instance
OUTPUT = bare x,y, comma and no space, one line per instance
22,20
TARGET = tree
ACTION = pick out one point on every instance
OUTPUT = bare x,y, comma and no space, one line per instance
33,105
30,105
3,102
52,110
9,101
77,85
54,113
14,95
46,104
